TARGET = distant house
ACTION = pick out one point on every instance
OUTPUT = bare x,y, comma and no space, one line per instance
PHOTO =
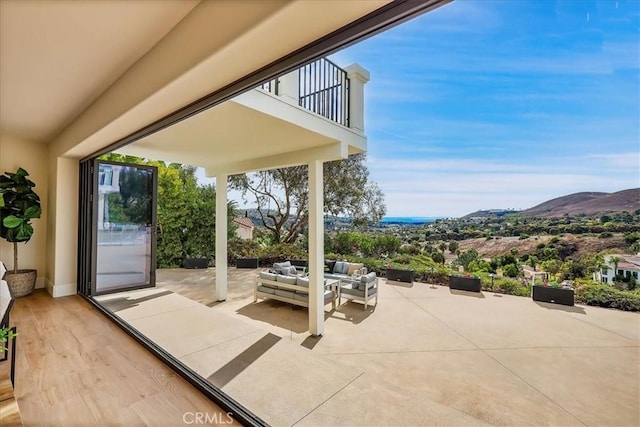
627,266
245,227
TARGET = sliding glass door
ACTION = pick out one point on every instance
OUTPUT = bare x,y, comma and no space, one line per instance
120,225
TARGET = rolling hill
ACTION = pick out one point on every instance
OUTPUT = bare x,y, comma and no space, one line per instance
588,203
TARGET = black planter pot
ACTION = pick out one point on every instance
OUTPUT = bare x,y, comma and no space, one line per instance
196,263
328,265
246,262
398,275
471,284
564,296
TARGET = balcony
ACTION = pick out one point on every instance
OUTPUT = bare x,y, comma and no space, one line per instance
323,88
314,112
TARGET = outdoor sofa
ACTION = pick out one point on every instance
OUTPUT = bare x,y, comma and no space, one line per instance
289,283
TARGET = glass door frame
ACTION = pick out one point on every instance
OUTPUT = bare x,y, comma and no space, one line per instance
88,224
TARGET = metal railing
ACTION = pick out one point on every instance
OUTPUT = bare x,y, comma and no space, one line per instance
324,89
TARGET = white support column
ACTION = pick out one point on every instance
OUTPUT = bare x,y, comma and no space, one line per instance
358,77
221,237
316,248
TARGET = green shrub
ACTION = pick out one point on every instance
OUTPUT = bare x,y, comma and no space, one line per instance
279,252
604,295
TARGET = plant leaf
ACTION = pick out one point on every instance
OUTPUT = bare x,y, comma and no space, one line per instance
32,212
12,221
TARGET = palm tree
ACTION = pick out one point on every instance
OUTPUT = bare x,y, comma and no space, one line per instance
615,260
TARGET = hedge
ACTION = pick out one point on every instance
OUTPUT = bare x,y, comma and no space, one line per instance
604,295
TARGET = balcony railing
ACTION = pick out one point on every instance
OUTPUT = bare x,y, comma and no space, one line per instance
323,88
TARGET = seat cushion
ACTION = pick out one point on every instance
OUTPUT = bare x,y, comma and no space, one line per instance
267,276
266,290
285,293
289,280
357,292
302,281
305,297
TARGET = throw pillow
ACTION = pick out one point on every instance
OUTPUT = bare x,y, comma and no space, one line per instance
282,267
353,267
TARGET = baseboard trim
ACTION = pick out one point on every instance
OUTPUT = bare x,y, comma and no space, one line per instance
64,290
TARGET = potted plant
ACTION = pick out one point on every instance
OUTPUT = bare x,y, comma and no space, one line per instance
465,283
19,204
6,334
248,260
399,274
554,293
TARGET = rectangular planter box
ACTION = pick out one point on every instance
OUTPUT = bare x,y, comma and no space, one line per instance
555,295
471,284
196,263
398,275
246,262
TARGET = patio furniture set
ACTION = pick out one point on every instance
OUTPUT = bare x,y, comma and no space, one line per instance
290,283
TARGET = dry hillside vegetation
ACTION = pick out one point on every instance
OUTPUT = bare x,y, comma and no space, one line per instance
500,246
587,203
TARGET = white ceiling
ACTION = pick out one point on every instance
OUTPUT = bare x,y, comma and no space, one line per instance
57,57
83,74
227,133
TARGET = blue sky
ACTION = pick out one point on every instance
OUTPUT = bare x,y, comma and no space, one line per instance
502,104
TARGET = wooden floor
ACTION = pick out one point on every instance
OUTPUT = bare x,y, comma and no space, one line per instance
75,367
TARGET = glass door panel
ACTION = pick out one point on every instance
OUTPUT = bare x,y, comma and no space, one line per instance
125,224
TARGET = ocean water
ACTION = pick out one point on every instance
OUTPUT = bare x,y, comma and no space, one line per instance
409,219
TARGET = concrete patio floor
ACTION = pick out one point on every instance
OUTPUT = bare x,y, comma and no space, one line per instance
425,355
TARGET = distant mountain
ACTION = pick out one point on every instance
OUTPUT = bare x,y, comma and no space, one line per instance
588,203
491,213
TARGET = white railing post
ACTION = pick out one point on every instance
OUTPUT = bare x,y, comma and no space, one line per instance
358,77
289,87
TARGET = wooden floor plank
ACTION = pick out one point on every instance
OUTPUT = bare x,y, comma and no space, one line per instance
75,367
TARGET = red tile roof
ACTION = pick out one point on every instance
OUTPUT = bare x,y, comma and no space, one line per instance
244,221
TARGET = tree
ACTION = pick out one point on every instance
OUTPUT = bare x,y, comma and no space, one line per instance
453,247
467,257
443,247
437,257
615,260
282,196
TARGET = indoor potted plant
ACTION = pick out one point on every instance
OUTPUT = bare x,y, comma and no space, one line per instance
19,204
